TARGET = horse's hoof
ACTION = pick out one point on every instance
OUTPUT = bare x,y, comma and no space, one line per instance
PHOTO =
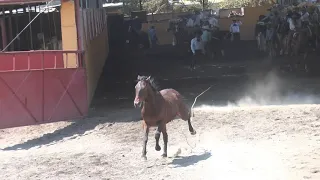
164,155
158,148
144,157
194,132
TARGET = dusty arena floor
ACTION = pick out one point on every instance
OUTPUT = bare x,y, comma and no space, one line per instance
274,142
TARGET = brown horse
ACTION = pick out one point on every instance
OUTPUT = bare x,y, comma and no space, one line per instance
159,108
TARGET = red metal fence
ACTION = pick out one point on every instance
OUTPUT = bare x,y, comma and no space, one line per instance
35,60
36,88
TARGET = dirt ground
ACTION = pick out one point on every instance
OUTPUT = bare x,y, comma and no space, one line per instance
249,126
271,142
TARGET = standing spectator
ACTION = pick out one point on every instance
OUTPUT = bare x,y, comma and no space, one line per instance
304,17
153,36
197,48
136,24
206,37
235,29
294,25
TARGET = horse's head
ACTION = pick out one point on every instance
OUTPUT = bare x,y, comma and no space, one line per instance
144,88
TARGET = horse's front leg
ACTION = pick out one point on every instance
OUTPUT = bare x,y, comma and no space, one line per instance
145,140
157,136
165,140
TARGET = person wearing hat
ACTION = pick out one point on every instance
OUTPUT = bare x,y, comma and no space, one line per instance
304,17
235,29
136,24
153,36
270,31
294,24
197,48
275,22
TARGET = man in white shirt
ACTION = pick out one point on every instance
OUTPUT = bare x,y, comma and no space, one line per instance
235,29
206,36
197,48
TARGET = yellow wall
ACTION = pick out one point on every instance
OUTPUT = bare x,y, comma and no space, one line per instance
164,16
249,20
96,50
96,53
69,32
161,28
160,21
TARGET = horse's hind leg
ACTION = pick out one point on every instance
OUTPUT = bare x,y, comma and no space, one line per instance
157,136
191,130
145,140
165,140
184,114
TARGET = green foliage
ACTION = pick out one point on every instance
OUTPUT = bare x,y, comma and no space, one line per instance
163,6
157,6
190,8
243,3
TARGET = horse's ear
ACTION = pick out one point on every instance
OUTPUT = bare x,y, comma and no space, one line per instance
139,77
149,77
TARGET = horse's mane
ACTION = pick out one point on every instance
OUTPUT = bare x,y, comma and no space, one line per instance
151,80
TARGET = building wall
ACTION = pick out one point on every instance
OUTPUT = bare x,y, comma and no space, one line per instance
94,38
161,28
251,15
69,32
91,3
96,53
249,20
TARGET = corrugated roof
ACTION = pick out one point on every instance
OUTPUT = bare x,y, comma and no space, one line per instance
8,2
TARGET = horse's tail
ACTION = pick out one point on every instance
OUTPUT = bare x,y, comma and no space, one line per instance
195,100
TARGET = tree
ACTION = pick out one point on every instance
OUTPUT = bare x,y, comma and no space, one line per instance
164,6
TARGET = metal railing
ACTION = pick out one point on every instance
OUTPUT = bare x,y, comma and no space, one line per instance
39,60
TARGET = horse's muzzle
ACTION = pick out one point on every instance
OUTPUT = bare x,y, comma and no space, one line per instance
137,104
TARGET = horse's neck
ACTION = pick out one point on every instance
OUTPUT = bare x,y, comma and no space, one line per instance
152,102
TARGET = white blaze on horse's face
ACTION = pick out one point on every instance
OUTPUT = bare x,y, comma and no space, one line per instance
141,93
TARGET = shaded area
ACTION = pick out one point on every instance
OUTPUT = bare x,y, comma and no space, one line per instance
74,130
163,63
186,161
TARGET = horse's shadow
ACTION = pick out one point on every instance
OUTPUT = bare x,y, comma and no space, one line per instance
74,130
186,161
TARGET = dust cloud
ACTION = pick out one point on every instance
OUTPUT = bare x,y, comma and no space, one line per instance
273,90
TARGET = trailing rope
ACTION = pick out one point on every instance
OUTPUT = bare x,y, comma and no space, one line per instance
195,100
